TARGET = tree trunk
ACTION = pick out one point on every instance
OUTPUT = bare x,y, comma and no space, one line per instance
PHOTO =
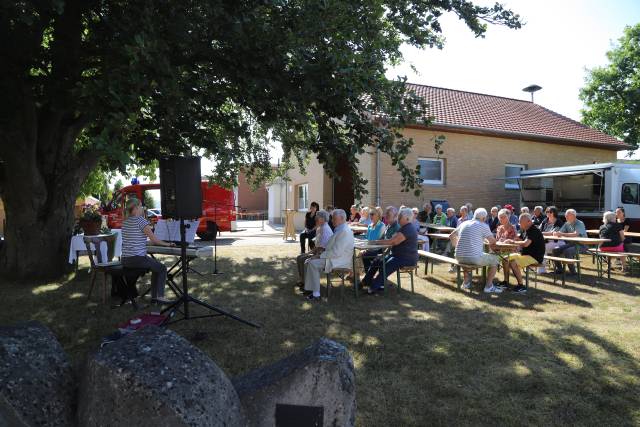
37,246
39,185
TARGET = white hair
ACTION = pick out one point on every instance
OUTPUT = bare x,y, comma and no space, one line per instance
524,209
405,212
609,217
480,214
451,210
464,207
439,206
391,209
540,208
571,211
323,215
525,215
504,212
341,213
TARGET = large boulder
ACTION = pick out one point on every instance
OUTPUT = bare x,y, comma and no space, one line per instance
321,376
36,380
154,377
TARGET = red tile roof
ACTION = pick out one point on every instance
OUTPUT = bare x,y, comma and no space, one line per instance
494,115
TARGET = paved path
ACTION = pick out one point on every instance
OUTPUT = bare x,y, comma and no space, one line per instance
251,233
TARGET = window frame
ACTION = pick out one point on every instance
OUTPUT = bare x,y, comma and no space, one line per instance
433,181
637,202
507,184
306,198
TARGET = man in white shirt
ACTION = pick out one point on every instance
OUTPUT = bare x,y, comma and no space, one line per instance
469,239
337,254
323,234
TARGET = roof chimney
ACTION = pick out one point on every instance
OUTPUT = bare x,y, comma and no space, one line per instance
531,89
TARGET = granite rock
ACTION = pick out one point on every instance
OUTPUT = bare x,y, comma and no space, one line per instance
322,375
154,377
37,387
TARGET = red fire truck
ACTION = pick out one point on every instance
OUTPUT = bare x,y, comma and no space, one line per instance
218,207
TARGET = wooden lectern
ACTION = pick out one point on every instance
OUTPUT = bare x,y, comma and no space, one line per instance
289,226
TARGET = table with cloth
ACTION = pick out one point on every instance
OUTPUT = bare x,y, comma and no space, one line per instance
78,248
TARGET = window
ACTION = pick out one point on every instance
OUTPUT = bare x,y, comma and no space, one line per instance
431,171
629,194
303,197
512,170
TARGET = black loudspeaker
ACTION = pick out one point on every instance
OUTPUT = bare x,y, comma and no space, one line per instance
181,195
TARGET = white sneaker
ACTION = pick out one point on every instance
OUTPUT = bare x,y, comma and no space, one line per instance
466,285
452,269
492,290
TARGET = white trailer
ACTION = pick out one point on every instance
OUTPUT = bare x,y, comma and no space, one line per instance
590,189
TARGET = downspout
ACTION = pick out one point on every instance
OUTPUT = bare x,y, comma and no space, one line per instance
378,176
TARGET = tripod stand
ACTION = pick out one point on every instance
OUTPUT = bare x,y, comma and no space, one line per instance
185,299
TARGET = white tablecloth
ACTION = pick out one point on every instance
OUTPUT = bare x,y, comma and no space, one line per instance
77,244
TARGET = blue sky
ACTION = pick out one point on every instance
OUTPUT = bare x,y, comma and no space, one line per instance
561,39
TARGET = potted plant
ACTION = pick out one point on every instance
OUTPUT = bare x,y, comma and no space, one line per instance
90,220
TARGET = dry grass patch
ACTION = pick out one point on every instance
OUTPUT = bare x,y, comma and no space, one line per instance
438,357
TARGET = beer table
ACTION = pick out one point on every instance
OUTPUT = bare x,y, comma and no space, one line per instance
361,246
438,228
626,233
580,241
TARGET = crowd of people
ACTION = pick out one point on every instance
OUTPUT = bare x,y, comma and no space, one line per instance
405,230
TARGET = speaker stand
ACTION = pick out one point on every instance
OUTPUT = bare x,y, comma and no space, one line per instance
185,299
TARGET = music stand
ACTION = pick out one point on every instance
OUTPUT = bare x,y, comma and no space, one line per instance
185,299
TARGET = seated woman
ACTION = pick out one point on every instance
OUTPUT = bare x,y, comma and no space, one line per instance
135,231
376,228
505,231
309,232
614,231
404,253
364,216
552,225
355,215
392,227
463,214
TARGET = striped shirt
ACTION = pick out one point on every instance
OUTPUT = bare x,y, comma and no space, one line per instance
134,241
471,235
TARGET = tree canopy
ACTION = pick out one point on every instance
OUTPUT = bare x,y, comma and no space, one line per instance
115,82
612,92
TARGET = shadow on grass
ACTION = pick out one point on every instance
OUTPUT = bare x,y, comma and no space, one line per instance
441,357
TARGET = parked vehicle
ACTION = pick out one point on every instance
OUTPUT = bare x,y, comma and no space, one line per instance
590,189
218,207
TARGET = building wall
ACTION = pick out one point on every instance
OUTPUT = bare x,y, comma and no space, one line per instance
474,164
315,178
251,200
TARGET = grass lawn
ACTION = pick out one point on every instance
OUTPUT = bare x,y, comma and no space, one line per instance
556,356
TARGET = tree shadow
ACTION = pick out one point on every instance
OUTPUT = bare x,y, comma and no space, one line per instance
436,357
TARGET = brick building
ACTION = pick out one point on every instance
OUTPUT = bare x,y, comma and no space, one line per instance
487,138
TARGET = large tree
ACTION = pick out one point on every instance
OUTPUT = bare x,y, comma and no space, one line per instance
612,92
109,82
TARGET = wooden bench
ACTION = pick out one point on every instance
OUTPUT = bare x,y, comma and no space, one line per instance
445,259
608,256
342,274
564,262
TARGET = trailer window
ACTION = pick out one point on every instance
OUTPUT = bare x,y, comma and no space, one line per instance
512,170
629,194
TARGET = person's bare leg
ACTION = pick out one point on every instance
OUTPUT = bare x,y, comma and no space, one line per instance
516,272
490,275
467,276
505,269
